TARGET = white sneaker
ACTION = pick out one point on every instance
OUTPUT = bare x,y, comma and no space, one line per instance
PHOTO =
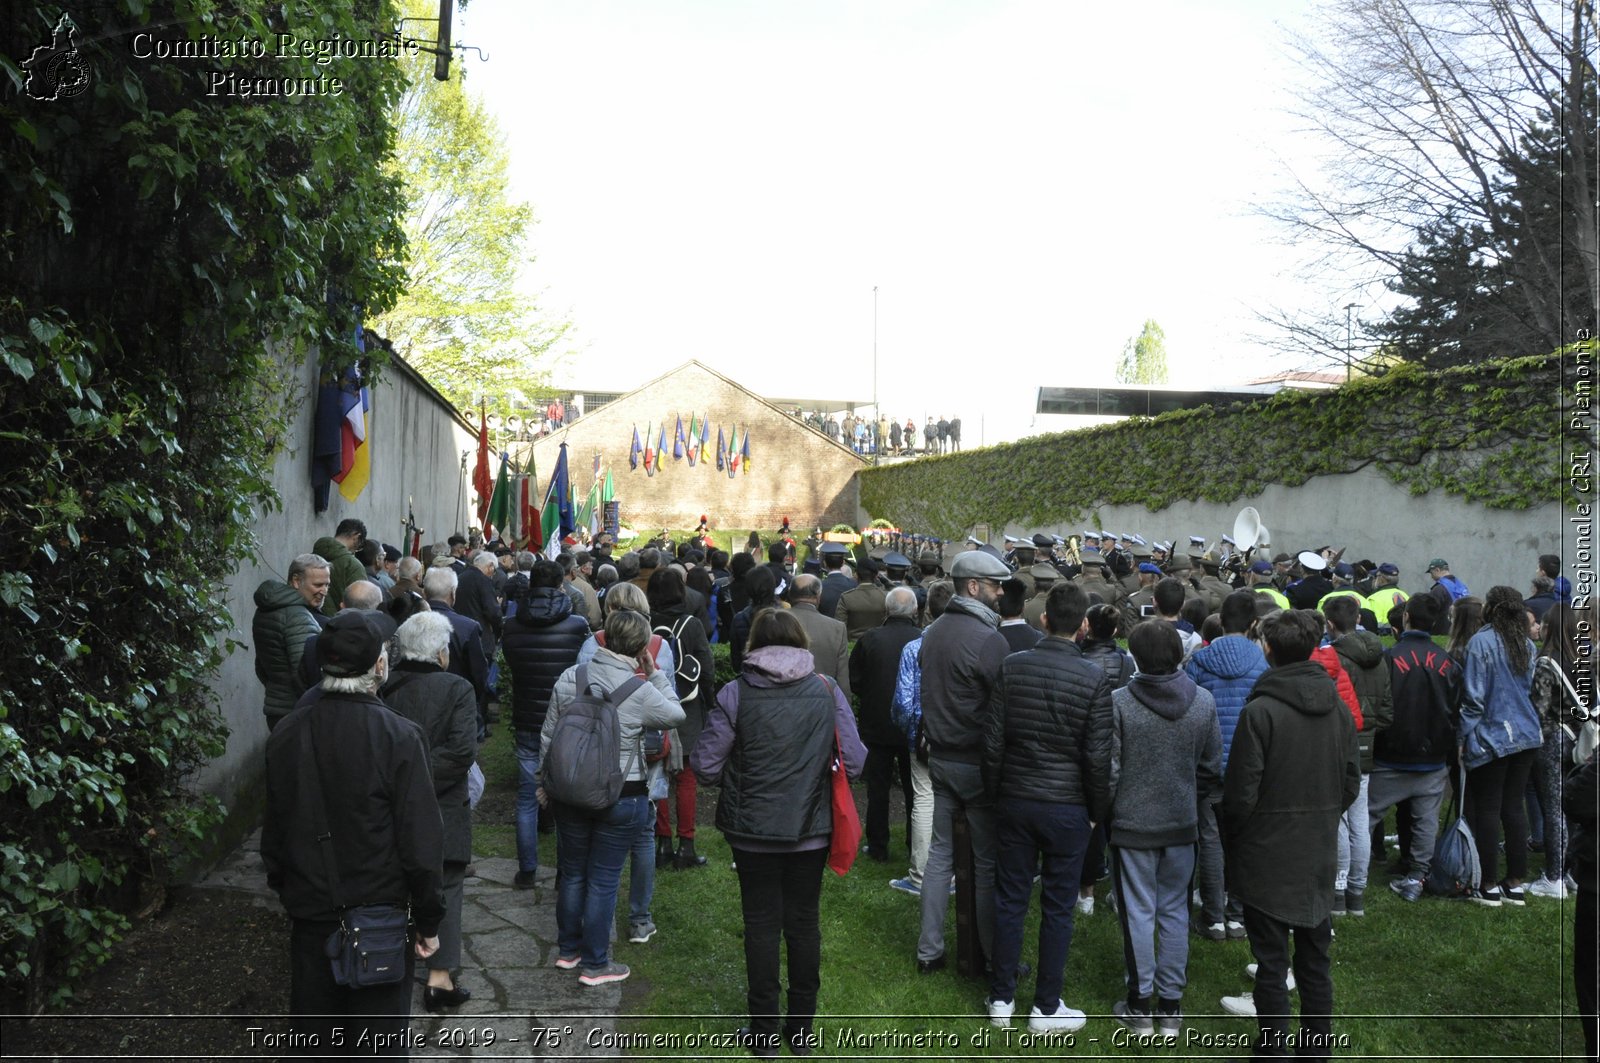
1544,887
1250,971
1000,1012
1064,1020
1086,905
1244,1004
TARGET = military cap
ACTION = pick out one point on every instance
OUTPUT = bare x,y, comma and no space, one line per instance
895,559
1090,557
1042,541
1261,568
833,548
1150,567
1044,572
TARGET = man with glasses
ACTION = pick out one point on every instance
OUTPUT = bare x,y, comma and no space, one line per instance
961,656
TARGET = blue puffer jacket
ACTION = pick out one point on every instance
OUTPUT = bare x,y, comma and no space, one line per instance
1228,668
1497,714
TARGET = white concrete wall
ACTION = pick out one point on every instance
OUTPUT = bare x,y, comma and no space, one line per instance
417,440
1369,515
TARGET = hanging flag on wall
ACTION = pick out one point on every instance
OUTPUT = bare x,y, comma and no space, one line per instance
649,454
661,446
635,450
746,452
677,440
722,450
355,454
693,440
733,451
705,434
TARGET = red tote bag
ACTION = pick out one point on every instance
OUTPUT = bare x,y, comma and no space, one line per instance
846,821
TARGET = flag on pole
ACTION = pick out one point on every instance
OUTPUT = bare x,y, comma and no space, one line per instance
661,446
556,519
746,452
677,440
705,433
413,542
608,490
722,450
649,454
635,450
481,476
733,451
499,510
532,512
693,440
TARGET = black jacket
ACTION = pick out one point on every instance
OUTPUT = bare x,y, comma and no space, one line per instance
1369,668
960,657
696,698
1115,661
1306,593
874,667
1427,704
467,658
476,599
1293,770
387,840
1048,732
1582,805
444,707
540,643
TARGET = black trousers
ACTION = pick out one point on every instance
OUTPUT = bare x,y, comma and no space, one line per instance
331,1020
884,764
780,893
1313,971
1585,958
1494,797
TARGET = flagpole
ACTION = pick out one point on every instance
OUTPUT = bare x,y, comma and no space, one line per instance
877,414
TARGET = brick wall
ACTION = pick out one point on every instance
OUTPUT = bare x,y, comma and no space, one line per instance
797,472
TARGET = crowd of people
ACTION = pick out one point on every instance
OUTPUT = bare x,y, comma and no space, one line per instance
866,434
1219,732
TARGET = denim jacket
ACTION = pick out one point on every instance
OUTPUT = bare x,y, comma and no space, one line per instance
1497,714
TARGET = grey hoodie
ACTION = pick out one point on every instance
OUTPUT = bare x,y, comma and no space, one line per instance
1166,756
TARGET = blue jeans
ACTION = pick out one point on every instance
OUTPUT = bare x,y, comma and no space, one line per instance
590,849
1025,830
642,870
527,801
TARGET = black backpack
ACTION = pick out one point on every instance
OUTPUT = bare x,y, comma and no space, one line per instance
688,668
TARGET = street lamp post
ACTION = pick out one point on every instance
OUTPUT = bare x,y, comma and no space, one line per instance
1347,367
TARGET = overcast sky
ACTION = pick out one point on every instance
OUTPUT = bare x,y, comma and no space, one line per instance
1025,183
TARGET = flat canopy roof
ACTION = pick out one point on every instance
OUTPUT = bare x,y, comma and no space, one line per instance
1135,400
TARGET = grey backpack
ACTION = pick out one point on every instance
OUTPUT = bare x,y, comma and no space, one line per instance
583,767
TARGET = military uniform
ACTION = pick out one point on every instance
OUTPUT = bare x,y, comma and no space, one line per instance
1044,577
1093,579
862,608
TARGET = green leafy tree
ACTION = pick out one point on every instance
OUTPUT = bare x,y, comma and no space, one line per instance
1144,357
461,320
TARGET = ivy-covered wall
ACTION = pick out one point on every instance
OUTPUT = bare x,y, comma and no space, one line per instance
169,242
1485,434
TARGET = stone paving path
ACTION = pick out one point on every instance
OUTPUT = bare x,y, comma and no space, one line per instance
522,1005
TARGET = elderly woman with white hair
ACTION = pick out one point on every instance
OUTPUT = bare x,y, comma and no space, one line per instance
443,705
